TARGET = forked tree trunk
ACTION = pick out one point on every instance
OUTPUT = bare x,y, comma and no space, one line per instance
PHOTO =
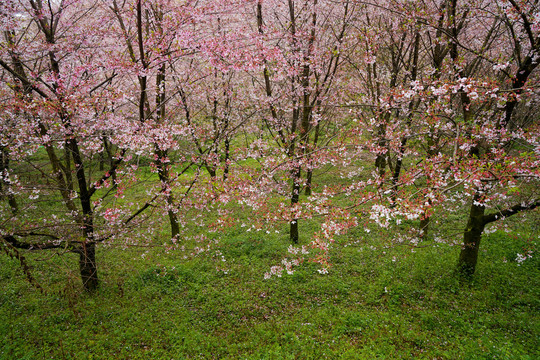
475,227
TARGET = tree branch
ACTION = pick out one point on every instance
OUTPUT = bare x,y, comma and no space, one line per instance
510,211
11,240
23,79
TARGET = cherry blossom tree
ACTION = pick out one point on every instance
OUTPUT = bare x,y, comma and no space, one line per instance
439,96
64,108
153,37
505,146
476,90
301,45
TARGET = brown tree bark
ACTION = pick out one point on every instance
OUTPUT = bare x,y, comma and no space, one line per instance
88,266
468,257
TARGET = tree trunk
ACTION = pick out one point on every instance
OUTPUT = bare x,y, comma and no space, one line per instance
88,266
227,155
108,146
425,222
87,254
164,177
424,226
294,231
173,220
4,187
211,171
471,239
295,196
101,161
309,177
380,163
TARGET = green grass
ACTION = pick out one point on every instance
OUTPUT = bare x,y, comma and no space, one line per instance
381,300
368,306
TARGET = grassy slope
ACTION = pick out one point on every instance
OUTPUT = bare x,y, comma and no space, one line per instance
367,307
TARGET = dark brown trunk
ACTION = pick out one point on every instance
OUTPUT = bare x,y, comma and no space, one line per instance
162,155
475,227
399,160
88,266
305,126
294,231
175,228
309,176
471,239
227,151
295,196
87,255
63,172
4,167
163,174
397,171
212,171
101,161
424,226
380,160
267,84
522,75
